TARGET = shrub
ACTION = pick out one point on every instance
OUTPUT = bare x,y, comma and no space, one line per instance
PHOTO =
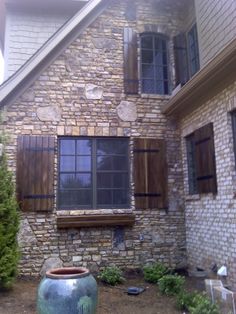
154,272
111,275
9,224
171,284
202,305
185,300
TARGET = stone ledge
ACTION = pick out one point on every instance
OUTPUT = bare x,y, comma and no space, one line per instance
95,220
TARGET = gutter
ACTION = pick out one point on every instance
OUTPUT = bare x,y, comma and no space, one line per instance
211,79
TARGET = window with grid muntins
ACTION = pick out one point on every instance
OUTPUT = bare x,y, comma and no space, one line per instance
154,64
93,173
193,50
192,179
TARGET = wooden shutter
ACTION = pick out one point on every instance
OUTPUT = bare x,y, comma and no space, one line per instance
130,61
205,159
35,172
150,173
181,59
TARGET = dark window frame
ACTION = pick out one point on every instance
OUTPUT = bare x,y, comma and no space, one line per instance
163,77
94,173
191,162
233,121
193,50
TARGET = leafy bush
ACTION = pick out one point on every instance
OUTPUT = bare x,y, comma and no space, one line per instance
154,272
185,300
171,284
111,275
9,224
202,305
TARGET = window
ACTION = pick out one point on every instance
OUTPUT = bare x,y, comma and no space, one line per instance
193,51
201,161
93,173
186,55
154,64
233,116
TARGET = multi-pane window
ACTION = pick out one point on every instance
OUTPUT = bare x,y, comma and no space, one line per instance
193,51
154,64
233,116
93,173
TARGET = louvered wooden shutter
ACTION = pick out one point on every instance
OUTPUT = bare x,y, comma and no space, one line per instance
150,173
35,172
181,59
130,62
205,159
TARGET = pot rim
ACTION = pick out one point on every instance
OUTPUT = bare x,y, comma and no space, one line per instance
67,273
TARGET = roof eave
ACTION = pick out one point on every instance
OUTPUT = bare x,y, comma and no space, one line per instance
23,78
212,78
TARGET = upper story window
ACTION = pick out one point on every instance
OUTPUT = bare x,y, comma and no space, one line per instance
154,64
193,51
186,55
93,173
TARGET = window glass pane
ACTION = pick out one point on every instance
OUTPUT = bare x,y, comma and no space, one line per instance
84,163
147,56
104,163
120,197
104,180
146,42
163,44
104,197
84,147
67,147
148,86
112,147
191,164
158,58
83,180
158,43
166,87
67,181
67,163
160,87
119,163
147,71
84,197
120,180
68,198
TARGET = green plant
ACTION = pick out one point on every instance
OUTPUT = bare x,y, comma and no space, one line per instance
202,305
185,300
111,275
9,224
171,284
154,272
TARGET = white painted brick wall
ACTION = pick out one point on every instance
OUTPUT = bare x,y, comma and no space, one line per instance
216,20
25,34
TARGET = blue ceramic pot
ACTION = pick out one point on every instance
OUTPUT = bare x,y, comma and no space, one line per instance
70,290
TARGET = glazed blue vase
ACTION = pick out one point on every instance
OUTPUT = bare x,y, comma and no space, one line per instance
70,290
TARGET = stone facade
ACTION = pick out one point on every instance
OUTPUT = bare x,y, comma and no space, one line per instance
82,93
210,220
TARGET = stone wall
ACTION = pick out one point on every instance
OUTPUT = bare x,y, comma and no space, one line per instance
81,93
216,22
210,220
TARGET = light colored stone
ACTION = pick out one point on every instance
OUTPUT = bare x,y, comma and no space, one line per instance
50,263
93,91
49,113
26,234
127,111
105,43
1,149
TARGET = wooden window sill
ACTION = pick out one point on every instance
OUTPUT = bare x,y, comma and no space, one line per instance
95,220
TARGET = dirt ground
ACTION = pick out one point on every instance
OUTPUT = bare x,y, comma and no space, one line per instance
112,300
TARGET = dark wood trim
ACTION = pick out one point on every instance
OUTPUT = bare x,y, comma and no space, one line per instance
211,79
99,220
